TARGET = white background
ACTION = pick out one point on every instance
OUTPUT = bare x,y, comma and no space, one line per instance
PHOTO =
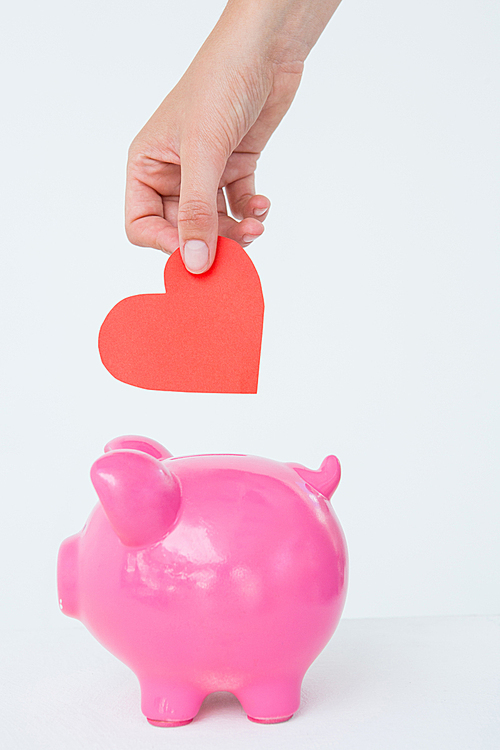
379,264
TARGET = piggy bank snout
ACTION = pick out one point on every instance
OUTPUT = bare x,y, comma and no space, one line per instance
67,582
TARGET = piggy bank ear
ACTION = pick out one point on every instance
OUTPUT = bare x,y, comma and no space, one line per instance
140,497
325,480
138,443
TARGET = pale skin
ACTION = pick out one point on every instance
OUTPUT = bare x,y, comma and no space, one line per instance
191,169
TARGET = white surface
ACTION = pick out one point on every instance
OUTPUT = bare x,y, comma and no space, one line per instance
382,684
379,264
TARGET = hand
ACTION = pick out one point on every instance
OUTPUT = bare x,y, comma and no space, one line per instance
199,151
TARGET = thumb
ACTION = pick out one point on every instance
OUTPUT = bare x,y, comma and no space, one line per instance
197,219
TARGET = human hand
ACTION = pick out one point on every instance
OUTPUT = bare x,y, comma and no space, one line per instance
199,151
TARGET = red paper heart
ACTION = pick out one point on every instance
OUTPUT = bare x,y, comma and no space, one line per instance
203,335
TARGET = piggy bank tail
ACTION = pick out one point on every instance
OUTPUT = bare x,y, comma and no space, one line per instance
325,480
67,576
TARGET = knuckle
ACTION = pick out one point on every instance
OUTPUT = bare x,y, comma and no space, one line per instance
242,200
131,233
195,212
134,233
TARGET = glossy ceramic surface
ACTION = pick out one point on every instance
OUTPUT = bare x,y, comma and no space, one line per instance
206,573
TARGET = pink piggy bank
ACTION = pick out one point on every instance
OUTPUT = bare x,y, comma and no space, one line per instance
206,573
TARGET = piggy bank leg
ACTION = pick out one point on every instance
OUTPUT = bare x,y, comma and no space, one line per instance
271,701
169,704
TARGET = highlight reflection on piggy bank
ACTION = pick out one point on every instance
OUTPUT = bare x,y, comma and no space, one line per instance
206,573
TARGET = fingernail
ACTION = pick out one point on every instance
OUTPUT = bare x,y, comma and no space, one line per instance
259,211
249,237
195,255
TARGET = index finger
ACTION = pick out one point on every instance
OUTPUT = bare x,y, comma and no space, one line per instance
145,221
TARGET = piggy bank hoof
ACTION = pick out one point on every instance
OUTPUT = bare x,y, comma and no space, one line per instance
159,723
276,720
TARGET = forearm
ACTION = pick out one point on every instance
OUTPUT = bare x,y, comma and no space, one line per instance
263,45
284,31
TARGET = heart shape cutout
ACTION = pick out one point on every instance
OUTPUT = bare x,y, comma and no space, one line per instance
203,335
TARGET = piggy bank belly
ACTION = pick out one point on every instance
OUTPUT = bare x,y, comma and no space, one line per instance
237,589
207,573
